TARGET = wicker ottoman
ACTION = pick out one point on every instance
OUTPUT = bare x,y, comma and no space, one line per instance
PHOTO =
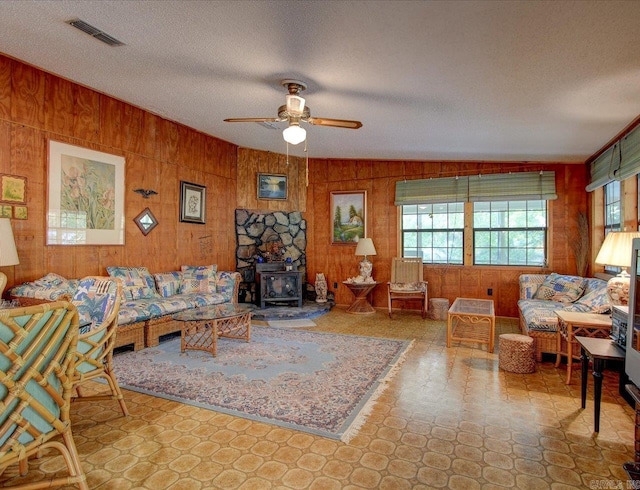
516,353
438,308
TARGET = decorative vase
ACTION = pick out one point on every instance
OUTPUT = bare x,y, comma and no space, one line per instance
321,288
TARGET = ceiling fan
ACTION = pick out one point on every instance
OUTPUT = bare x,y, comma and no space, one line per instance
294,112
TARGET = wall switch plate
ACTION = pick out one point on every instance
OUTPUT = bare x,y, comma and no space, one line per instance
335,285
489,292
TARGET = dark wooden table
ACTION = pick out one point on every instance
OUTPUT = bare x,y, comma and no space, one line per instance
599,351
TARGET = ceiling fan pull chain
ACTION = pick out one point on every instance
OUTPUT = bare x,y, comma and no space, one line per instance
307,163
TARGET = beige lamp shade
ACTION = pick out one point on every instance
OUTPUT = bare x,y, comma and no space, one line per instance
616,251
8,252
365,247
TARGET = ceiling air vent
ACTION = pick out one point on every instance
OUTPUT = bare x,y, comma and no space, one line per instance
95,32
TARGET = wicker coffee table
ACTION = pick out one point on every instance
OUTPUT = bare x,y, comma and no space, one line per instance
471,320
201,327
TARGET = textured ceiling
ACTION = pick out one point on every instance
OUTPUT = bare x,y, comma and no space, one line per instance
478,80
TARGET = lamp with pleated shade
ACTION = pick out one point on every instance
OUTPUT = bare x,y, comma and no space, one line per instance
616,252
365,247
8,252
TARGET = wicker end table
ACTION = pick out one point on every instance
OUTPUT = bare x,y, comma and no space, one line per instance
572,324
201,327
472,320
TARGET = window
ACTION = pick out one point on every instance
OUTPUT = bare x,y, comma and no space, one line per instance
612,221
612,214
434,232
510,233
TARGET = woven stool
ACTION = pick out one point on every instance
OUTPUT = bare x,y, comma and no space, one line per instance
438,308
516,353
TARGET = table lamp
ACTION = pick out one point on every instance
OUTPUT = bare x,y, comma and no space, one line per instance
8,253
365,247
616,251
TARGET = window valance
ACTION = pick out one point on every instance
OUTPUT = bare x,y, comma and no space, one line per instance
474,188
619,162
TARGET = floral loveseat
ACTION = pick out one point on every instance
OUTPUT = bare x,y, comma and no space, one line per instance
148,300
542,294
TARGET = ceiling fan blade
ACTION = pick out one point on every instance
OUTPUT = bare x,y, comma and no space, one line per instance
254,119
337,123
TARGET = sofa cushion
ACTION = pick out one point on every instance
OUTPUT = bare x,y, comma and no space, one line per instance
168,283
564,289
540,314
597,301
199,279
226,285
137,282
95,300
50,287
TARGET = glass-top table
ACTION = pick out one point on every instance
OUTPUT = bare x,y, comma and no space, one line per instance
472,320
201,327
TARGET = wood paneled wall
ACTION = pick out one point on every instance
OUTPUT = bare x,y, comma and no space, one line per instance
379,178
36,106
253,162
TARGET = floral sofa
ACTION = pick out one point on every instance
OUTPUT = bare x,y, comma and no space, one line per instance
542,294
148,300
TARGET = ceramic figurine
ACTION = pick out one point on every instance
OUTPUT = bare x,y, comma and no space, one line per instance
321,288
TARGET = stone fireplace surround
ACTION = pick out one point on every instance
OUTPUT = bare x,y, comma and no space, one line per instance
272,235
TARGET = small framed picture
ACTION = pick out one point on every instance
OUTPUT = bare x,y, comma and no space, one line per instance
272,186
192,202
6,212
20,212
13,189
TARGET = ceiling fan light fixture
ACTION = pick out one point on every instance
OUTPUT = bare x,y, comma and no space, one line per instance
294,134
295,104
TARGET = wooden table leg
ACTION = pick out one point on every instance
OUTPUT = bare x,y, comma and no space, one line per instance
585,370
449,326
558,344
492,333
569,352
598,365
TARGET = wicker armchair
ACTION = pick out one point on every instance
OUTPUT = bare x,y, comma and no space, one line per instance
98,302
407,283
37,349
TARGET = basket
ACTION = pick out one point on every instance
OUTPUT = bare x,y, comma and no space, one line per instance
516,353
438,308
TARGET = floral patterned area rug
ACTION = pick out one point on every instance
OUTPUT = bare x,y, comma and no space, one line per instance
316,382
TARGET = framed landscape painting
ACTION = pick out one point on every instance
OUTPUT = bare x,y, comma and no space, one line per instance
86,196
348,217
272,186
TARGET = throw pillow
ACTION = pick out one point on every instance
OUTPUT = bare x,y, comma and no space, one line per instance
564,289
137,282
199,279
597,301
168,283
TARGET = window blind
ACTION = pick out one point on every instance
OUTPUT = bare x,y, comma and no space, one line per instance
432,191
519,186
491,187
629,155
601,170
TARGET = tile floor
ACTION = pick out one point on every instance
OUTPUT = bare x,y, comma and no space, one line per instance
449,419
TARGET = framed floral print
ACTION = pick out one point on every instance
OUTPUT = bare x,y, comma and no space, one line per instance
86,196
